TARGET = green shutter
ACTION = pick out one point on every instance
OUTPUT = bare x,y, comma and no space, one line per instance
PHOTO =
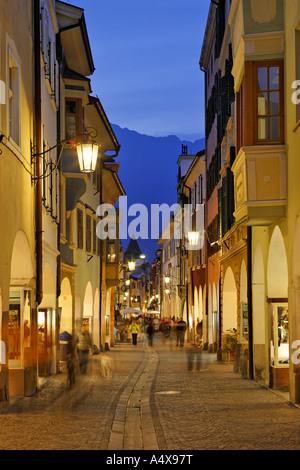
230,193
224,203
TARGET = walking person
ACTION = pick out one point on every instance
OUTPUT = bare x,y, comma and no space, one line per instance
150,332
84,345
193,358
180,332
70,362
134,329
164,329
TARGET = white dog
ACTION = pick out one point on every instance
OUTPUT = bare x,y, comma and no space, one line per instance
105,366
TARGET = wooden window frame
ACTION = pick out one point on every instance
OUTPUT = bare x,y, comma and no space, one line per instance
109,246
240,117
14,98
78,114
268,64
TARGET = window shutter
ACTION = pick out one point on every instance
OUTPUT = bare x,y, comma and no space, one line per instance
232,155
220,212
94,236
88,233
224,203
79,229
230,193
220,26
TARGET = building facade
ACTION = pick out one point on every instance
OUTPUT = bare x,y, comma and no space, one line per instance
258,207
17,264
260,174
56,274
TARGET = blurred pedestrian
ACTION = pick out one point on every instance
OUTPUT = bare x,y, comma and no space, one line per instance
70,362
121,331
164,329
193,358
134,329
180,332
150,332
84,345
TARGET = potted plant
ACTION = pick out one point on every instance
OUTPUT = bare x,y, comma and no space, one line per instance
230,344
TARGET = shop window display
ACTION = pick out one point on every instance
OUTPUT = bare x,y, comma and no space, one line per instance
280,335
245,327
19,328
45,340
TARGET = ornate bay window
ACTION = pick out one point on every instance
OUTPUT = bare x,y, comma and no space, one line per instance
260,166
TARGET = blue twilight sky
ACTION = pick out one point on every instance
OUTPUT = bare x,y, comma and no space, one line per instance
146,55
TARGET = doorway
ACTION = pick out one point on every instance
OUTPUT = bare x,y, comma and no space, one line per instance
45,340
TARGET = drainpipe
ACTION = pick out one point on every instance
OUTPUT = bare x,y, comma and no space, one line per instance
250,315
59,212
219,352
101,255
38,160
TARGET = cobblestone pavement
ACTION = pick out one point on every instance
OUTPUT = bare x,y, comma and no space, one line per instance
151,401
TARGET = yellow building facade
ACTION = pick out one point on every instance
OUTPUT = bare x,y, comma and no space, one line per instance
265,41
17,203
55,273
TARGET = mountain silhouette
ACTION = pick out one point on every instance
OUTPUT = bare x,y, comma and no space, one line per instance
149,172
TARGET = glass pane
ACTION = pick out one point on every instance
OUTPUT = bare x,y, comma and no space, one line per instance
262,104
262,75
262,128
245,321
111,253
283,335
274,102
106,325
49,327
14,331
274,78
274,128
70,107
27,319
70,126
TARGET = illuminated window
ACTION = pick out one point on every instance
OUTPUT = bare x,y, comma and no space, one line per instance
111,253
269,103
74,118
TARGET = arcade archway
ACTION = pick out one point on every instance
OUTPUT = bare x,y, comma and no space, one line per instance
229,320
277,283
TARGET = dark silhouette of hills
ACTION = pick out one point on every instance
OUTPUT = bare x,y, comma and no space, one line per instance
149,171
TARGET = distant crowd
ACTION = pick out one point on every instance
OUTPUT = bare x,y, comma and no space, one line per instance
144,328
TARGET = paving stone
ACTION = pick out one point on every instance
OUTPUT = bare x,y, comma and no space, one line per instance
208,409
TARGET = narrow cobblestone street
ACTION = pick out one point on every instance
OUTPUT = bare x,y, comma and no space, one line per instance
151,401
